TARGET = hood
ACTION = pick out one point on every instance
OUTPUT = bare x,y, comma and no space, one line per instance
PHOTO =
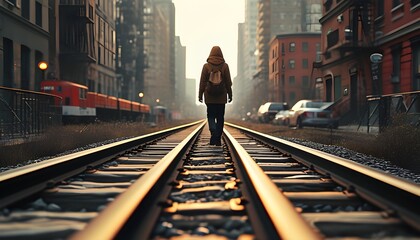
216,56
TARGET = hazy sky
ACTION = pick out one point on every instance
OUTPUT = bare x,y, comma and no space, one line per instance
202,24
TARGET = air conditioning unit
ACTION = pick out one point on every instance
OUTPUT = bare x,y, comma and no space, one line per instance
340,18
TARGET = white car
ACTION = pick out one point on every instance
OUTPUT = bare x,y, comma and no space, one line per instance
282,118
268,110
312,113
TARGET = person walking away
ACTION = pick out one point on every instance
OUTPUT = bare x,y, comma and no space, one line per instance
215,95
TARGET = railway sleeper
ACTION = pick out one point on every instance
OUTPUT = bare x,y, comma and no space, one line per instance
205,201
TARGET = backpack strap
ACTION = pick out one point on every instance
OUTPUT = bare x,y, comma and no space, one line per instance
211,67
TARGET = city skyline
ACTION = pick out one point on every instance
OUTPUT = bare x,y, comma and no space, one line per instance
193,23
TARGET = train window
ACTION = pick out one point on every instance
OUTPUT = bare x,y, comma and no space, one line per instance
67,101
82,93
59,89
48,88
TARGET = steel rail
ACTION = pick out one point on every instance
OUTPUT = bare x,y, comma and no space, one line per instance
395,195
17,184
128,216
285,222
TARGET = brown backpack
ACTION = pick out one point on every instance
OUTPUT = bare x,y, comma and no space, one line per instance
215,84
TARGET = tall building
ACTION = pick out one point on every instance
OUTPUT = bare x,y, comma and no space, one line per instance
279,17
246,66
190,109
159,47
239,88
87,42
130,60
180,89
24,42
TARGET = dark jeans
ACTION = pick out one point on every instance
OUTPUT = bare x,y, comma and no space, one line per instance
216,120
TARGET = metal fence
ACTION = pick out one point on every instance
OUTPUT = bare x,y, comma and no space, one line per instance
383,110
26,113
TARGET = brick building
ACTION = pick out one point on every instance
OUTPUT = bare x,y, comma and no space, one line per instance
290,66
397,28
347,43
351,32
279,17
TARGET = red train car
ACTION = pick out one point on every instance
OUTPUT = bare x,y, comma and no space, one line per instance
144,108
124,105
77,103
135,107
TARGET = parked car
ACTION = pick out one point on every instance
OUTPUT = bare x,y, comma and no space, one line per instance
282,118
312,113
268,110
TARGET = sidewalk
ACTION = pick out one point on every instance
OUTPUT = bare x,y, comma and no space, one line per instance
361,129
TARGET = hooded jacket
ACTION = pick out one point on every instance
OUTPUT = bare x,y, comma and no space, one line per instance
217,61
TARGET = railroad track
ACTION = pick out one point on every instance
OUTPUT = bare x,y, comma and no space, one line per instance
172,184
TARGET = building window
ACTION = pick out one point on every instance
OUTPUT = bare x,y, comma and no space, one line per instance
415,3
292,64
90,12
327,5
380,8
337,87
25,59
332,38
304,46
100,61
8,65
39,74
292,47
282,49
396,3
305,63
396,64
305,81
25,9
292,80
292,97
38,14
416,64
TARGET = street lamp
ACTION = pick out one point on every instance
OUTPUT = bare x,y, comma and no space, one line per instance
141,95
42,65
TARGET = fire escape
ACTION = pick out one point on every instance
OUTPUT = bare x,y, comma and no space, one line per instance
358,35
77,40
